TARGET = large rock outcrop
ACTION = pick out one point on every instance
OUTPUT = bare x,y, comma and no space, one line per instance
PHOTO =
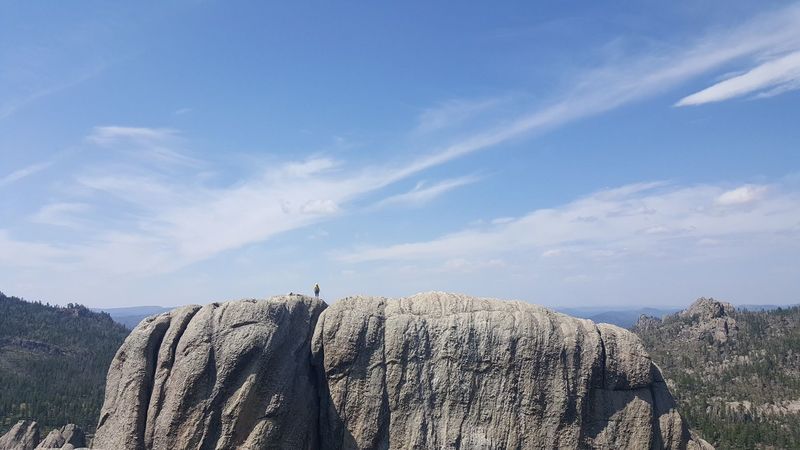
448,371
221,376
68,437
24,435
429,371
706,319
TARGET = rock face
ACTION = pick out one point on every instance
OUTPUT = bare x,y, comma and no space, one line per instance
706,320
708,309
221,376
430,371
447,371
22,436
69,437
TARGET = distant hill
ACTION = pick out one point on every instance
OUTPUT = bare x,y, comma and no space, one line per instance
131,316
621,317
53,362
735,372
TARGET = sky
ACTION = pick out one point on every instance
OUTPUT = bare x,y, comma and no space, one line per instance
560,153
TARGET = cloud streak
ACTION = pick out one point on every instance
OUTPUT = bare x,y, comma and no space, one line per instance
640,218
773,77
24,172
634,79
453,112
162,223
155,144
423,194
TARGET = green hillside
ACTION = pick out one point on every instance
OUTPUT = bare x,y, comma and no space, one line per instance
736,373
53,362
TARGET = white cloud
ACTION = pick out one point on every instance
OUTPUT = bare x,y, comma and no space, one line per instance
466,265
775,76
742,195
320,207
106,135
553,253
628,219
422,194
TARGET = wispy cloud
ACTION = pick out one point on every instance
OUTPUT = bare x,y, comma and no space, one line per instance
633,79
24,172
641,218
17,253
453,112
772,77
63,214
170,222
423,194
11,106
106,135
157,144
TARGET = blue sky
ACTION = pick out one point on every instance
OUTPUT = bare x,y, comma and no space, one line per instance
565,154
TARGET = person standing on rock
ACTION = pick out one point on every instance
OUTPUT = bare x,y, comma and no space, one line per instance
316,290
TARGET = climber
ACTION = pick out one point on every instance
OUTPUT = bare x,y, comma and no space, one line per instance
316,290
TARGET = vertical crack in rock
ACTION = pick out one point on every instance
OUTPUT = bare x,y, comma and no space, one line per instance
146,392
163,371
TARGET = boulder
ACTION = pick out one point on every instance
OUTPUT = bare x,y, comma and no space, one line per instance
441,370
69,437
221,376
24,435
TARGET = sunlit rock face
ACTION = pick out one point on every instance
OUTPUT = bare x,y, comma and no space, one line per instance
68,437
441,370
221,376
24,435
433,370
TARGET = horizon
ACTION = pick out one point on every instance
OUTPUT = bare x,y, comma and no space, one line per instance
192,152
585,308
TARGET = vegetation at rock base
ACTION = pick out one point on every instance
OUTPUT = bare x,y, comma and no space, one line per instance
53,362
735,373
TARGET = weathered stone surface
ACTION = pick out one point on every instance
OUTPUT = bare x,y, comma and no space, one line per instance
231,375
69,437
441,370
24,435
714,320
433,370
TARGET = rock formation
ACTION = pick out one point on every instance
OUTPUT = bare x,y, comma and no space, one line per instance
429,371
448,371
69,437
232,375
22,436
706,319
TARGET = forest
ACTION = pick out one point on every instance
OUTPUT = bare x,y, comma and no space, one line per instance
53,362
